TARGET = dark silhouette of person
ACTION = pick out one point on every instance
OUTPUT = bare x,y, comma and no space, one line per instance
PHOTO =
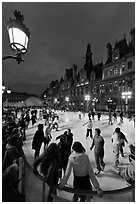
38,139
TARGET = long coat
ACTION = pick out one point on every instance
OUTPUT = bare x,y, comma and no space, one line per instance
38,139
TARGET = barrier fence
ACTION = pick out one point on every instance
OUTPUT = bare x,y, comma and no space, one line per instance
35,189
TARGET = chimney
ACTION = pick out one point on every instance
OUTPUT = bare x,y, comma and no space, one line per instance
132,33
109,51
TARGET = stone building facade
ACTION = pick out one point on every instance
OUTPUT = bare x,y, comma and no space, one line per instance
104,83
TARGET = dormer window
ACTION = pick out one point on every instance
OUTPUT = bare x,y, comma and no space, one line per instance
115,54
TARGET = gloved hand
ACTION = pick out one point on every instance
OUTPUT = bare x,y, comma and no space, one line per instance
99,192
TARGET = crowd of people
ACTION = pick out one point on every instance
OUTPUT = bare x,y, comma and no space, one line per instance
59,158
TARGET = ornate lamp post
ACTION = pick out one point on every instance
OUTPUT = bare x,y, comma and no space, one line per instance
126,96
87,99
18,36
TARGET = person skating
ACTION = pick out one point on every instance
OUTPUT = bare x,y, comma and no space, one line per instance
98,144
110,117
93,115
123,139
89,128
116,143
83,173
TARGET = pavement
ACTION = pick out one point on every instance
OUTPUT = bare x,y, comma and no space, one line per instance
109,178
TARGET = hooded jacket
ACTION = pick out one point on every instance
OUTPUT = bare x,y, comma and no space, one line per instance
81,166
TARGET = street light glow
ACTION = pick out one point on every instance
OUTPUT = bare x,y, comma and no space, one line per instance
87,97
67,98
110,100
18,39
8,91
128,93
55,100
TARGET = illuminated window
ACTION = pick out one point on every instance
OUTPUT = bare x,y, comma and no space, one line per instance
115,70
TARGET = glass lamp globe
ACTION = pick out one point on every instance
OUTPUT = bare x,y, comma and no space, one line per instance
18,33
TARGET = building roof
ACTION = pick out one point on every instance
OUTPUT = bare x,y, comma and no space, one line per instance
122,47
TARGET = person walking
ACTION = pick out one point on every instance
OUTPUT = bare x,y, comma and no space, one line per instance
98,144
38,139
49,163
89,128
82,172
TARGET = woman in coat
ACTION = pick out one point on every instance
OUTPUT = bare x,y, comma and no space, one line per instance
38,139
49,167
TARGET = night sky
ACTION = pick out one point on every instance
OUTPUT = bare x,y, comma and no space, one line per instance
59,34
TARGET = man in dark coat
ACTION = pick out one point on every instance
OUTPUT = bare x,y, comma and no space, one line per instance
38,139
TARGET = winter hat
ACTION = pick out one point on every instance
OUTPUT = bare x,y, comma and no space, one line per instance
78,147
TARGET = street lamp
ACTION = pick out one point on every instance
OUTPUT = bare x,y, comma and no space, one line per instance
126,96
18,36
87,99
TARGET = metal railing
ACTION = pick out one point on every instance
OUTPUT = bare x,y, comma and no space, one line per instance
35,189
